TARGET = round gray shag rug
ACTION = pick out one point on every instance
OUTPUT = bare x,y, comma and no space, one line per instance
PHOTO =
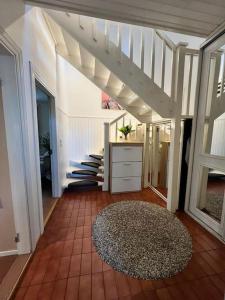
142,240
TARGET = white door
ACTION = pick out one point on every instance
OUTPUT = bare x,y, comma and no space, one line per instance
208,180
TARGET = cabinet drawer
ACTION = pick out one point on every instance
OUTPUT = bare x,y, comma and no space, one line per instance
127,169
126,184
126,153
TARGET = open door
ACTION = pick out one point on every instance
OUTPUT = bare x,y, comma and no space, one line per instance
47,146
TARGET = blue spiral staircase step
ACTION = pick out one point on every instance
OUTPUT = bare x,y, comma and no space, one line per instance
96,156
85,172
91,164
83,185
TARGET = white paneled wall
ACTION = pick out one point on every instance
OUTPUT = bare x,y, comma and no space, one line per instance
81,118
85,136
218,138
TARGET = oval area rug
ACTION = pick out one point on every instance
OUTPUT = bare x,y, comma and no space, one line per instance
142,240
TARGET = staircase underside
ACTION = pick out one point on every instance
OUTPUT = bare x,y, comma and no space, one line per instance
111,71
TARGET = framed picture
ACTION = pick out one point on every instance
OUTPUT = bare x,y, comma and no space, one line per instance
109,103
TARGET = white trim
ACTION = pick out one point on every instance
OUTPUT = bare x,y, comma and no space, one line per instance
158,193
193,136
56,186
204,225
8,253
33,77
90,116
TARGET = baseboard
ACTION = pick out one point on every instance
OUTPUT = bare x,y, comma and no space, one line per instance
210,230
158,193
8,253
50,212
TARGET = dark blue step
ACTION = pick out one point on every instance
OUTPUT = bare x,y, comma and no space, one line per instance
85,172
84,185
91,164
96,156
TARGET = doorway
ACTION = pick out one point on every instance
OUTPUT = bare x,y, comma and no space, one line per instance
160,138
208,179
14,219
47,145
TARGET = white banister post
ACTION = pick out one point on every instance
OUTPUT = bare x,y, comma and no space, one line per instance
106,156
155,156
175,155
94,30
146,155
131,44
106,29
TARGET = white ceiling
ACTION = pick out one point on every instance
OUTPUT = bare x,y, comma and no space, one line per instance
195,17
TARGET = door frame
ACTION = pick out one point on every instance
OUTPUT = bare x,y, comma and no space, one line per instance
36,80
204,160
152,160
53,139
21,207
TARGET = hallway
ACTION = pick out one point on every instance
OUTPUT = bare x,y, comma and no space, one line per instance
66,266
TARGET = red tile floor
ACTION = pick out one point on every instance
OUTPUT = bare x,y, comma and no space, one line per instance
65,264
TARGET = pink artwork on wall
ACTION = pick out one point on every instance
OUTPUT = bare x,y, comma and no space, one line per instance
109,103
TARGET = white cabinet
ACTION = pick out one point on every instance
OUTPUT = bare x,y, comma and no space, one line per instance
126,167
126,153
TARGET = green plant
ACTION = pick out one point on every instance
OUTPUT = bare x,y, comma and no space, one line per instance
126,130
44,141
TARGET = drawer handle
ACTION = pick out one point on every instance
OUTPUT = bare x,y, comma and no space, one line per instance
127,148
127,164
126,179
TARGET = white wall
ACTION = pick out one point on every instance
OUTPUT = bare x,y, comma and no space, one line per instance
82,109
194,42
27,28
31,34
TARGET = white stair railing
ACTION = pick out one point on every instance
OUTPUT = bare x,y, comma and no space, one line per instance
191,61
145,47
152,53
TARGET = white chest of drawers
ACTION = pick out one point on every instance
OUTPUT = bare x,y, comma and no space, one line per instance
126,167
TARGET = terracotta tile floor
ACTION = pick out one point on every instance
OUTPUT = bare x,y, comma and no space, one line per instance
66,266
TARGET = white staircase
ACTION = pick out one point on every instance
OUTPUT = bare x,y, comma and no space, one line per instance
139,67
134,66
